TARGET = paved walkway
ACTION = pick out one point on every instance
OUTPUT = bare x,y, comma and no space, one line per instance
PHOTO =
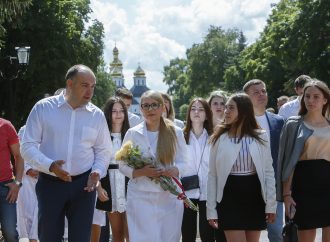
263,237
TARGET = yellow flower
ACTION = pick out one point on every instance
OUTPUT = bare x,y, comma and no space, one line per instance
124,151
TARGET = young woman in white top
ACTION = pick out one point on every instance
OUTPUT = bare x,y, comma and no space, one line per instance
27,203
199,127
241,183
152,213
217,101
114,183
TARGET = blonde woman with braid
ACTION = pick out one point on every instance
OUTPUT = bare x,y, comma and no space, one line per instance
152,213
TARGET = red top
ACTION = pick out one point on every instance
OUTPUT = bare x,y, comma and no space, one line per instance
8,137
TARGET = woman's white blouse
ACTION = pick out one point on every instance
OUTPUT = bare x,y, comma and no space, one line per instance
195,151
117,179
139,136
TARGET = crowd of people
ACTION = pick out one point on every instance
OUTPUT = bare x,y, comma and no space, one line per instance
244,166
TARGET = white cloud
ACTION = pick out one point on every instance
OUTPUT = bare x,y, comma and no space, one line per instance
152,32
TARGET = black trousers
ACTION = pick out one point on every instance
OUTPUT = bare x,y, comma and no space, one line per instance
57,199
189,225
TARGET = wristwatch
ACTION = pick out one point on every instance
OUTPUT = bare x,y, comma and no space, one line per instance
18,183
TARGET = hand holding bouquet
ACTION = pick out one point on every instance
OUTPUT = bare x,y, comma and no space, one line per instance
132,157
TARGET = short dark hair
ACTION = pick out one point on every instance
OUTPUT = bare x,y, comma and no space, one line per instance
252,83
283,98
124,93
74,70
302,80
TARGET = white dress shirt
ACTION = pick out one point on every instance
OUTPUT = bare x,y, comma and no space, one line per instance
179,123
56,131
290,109
133,119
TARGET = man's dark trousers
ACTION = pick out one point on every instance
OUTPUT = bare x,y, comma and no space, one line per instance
57,199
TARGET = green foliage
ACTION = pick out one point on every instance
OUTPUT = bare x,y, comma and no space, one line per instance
204,68
9,11
295,41
104,88
56,32
183,112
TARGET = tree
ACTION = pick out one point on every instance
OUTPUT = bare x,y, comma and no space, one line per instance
56,32
209,59
9,11
295,41
183,111
204,68
176,68
104,88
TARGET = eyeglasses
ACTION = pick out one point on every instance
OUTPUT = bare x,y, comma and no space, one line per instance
197,110
153,106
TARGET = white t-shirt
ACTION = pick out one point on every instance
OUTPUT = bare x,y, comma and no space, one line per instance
263,123
153,139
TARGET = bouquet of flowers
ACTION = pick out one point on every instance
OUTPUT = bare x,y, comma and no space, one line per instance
132,156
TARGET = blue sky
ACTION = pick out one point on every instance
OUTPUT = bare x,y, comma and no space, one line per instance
151,32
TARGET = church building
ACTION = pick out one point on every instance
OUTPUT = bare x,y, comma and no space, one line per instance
139,86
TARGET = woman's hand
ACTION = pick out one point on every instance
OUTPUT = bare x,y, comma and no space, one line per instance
171,172
102,194
148,170
213,223
32,173
270,218
290,206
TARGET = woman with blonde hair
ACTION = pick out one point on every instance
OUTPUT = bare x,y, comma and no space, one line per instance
152,213
304,164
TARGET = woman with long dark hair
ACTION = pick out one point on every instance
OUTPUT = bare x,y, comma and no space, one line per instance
114,183
241,184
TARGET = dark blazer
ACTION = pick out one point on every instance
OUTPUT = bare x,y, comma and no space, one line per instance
275,123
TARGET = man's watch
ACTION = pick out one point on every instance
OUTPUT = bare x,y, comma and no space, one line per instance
18,183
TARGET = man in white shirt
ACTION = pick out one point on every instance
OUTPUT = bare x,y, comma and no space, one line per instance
272,123
292,108
67,140
127,98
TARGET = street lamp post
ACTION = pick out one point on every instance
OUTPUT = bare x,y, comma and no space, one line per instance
10,69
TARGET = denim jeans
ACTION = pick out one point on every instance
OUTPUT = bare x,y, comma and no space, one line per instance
275,229
8,217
